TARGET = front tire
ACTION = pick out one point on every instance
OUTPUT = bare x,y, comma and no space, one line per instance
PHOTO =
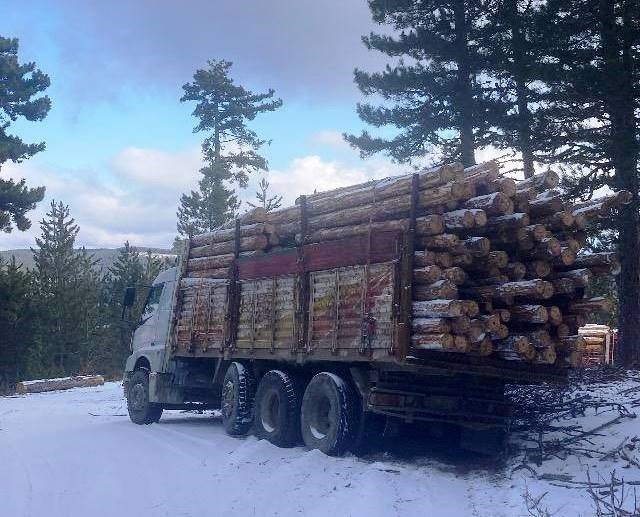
277,409
328,414
237,399
141,411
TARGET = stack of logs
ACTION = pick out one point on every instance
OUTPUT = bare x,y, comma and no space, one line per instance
497,269
598,344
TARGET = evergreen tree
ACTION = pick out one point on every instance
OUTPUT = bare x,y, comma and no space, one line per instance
18,317
513,41
264,200
20,85
231,149
593,97
68,288
432,93
130,269
208,207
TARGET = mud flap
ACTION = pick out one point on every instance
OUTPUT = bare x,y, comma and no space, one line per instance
163,391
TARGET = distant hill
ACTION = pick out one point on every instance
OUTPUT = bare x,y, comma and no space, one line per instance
105,256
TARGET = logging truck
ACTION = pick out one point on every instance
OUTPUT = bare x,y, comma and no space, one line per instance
415,298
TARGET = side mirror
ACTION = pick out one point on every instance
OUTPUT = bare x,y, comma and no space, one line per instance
129,299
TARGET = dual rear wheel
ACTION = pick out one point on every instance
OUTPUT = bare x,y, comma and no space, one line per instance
324,414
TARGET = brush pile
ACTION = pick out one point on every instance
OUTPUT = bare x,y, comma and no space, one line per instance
497,267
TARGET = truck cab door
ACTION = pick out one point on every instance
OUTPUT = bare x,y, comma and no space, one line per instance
146,332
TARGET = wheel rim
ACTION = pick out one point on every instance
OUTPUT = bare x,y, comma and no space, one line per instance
138,397
321,418
228,397
270,411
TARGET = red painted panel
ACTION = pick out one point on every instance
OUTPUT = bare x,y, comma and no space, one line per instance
279,263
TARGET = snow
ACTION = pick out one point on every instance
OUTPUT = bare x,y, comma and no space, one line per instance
75,453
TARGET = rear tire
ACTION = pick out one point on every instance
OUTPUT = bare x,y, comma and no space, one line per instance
328,416
237,399
277,409
141,411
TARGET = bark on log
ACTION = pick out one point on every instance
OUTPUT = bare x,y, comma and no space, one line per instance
460,325
62,383
209,273
536,289
433,341
580,277
529,313
218,261
227,234
430,326
440,290
255,242
456,275
343,232
590,305
427,274
443,242
424,258
493,204
438,309
543,181
459,219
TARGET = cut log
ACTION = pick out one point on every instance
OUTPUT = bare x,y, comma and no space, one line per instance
440,290
255,242
477,246
443,242
209,273
580,277
430,326
590,305
455,275
215,262
433,341
493,204
343,232
61,383
460,325
227,234
529,313
438,309
543,181
427,274
459,219
536,289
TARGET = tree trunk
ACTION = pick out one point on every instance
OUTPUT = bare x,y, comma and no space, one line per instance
464,93
617,77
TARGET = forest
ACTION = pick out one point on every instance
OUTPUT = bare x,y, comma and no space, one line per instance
539,83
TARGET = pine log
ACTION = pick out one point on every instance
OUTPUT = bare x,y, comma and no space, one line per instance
571,343
460,325
479,215
555,315
477,246
477,331
491,321
538,269
507,222
539,338
563,286
430,326
501,333
546,355
558,221
61,383
515,347
442,289
209,273
438,309
545,204
342,232
505,314
424,258
456,275
529,313
536,231
493,204
543,181
433,341
227,234
444,259
444,241
483,348
427,274
215,262
563,330
429,225
459,219
254,242
580,277
516,271
463,260
537,289
470,308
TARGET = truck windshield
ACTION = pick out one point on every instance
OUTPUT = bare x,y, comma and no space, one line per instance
153,301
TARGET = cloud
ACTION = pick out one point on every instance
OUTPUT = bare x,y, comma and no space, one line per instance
136,197
303,48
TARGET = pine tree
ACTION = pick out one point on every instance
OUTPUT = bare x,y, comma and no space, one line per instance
20,85
68,288
264,200
592,98
18,316
513,42
432,93
208,207
231,149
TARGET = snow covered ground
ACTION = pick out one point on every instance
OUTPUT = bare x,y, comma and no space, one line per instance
75,453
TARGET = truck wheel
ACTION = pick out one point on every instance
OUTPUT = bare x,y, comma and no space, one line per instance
328,414
277,409
237,399
141,411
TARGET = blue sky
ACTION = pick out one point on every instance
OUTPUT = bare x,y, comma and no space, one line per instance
120,147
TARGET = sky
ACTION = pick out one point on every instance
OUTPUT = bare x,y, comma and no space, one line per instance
120,146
